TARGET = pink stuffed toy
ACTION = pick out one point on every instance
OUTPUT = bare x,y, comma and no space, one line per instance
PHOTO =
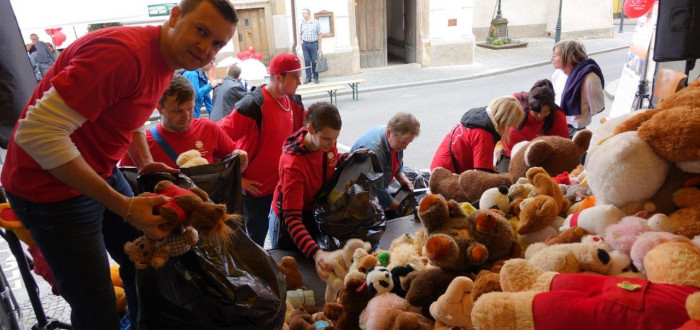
647,241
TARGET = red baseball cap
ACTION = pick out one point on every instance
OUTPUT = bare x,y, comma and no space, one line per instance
284,63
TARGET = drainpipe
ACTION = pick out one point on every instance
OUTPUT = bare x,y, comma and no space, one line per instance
294,27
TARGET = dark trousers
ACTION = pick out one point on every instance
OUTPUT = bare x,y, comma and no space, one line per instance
255,212
74,236
310,53
573,130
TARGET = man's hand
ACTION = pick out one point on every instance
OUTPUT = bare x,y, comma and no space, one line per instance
142,217
157,167
499,152
322,265
243,156
250,186
404,181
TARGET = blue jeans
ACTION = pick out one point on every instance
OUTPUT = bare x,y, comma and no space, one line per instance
310,53
255,212
74,236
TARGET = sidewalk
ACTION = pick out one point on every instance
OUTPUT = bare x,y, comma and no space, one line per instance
486,63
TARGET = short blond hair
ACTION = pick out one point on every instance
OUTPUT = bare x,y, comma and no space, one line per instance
404,123
505,112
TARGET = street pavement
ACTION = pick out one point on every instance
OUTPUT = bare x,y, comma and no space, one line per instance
487,63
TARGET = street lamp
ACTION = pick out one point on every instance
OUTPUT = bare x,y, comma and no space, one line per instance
557,34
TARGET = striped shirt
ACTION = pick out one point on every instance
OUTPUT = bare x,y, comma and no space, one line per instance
310,30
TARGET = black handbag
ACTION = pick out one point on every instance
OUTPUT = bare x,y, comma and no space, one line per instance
321,64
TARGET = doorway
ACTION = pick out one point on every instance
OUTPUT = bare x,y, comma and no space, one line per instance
401,31
370,20
252,32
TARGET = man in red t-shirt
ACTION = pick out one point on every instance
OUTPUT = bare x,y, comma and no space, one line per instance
180,132
59,174
261,122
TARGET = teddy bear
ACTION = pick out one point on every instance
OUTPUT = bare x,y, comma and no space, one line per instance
569,258
686,220
362,261
405,250
354,298
537,214
454,307
486,281
553,153
622,235
192,207
534,298
190,158
571,235
288,266
389,311
495,198
145,252
341,260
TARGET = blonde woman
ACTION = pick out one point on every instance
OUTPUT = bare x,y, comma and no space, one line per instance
470,144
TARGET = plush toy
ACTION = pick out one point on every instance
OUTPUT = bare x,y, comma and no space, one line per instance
362,261
405,250
622,235
569,258
486,281
544,185
533,298
190,158
379,280
425,286
686,220
341,260
594,220
145,252
520,189
389,311
616,166
495,198
288,266
398,273
354,298
647,241
571,235
301,320
553,153
454,307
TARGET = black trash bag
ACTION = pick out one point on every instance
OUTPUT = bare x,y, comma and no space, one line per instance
347,205
208,287
408,202
221,180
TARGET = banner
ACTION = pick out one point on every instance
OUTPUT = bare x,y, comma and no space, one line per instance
637,59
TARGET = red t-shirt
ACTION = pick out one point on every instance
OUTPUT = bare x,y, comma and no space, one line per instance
263,144
584,301
113,77
472,148
533,129
203,135
301,177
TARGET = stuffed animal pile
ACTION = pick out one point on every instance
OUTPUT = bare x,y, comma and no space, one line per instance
552,244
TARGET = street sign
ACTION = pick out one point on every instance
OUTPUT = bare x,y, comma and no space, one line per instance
162,9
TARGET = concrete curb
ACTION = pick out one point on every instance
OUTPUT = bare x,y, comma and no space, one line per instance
454,79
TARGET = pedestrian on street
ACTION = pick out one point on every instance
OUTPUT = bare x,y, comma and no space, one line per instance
310,37
60,173
582,96
203,86
226,95
470,144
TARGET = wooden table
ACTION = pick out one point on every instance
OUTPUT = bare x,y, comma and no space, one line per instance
394,228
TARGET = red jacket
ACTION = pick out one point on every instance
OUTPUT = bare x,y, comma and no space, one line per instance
301,175
534,128
582,301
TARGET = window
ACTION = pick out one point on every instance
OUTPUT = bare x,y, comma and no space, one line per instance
327,23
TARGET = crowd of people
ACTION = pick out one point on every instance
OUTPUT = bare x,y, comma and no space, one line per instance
63,184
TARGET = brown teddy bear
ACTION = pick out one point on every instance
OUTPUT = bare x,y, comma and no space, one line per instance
354,298
533,298
686,220
555,154
288,265
145,252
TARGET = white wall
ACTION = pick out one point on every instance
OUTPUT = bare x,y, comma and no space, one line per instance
577,15
518,12
443,10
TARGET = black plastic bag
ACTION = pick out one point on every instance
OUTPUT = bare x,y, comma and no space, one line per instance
221,180
347,206
208,287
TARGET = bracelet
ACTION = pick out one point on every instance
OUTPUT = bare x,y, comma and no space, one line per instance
128,211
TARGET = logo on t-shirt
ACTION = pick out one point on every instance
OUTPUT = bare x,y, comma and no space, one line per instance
199,144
